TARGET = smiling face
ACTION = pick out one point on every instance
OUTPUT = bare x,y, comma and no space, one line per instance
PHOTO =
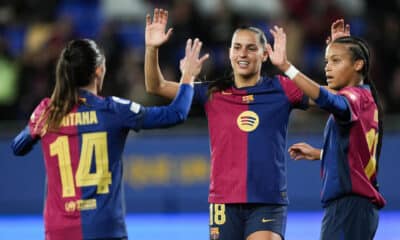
340,69
247,54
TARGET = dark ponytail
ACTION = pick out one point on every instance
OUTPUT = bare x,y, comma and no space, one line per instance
75,68
360,50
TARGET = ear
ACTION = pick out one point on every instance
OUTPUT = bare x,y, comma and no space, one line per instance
358,65
265,53
99,71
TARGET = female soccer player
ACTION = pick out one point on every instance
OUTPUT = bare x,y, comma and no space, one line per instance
353,136
247,119
83,136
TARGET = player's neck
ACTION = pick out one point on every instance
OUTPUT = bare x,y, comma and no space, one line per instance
241,81
90,88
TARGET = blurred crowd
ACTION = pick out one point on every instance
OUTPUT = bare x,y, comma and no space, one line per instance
33,32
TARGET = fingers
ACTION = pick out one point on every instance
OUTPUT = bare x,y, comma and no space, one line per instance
347,29
338,25
156,15
204,58
328,40
159,16
188,47
148,19
169,33
163,16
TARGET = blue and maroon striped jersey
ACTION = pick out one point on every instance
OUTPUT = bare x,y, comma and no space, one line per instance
350,139
248,128
83,161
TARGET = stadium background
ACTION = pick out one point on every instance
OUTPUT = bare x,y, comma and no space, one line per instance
166,171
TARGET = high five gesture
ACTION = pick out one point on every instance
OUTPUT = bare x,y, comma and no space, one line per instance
155,29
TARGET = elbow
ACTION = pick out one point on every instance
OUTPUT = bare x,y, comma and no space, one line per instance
181,116
150,89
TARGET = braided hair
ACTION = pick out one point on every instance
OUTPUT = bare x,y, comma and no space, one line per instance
360,51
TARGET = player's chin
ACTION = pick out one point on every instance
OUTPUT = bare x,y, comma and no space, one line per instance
333,86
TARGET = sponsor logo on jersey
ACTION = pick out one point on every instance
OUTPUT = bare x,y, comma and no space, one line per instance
247,121
81,204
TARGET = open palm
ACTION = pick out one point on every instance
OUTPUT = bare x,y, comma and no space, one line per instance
155,29
338,29
277,54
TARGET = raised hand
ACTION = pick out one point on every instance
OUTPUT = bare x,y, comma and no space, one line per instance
191,64
277,54
338,30
304,151
155,29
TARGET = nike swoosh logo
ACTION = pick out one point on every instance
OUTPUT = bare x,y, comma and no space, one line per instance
226,93
264,220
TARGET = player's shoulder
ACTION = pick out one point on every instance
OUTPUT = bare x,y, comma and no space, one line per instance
42,106
117,104
357,93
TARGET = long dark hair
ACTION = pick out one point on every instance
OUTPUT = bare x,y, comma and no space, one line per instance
227,81
360,51
75,68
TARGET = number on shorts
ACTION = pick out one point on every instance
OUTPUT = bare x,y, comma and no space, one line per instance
217,214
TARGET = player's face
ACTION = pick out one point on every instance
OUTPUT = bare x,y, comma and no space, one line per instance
246,54
340,69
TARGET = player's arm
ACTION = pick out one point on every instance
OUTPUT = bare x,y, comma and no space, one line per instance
331,102
155,36
178,110
23,142
305,151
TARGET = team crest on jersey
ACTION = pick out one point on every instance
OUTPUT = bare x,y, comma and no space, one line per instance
70,206
247,121
248,98
214,233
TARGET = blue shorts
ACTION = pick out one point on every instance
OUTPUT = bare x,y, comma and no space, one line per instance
350,218
238,221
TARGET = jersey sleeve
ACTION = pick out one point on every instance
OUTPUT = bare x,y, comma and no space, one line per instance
136,117
30,135
345,105
354,101
296,97
200,93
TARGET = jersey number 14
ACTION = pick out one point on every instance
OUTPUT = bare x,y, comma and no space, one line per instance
91,143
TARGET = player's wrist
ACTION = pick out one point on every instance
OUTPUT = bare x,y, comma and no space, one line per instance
291,71
318,154
152,48
187,78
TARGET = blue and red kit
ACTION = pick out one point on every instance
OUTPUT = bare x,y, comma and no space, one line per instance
248,128
83,160
349,163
